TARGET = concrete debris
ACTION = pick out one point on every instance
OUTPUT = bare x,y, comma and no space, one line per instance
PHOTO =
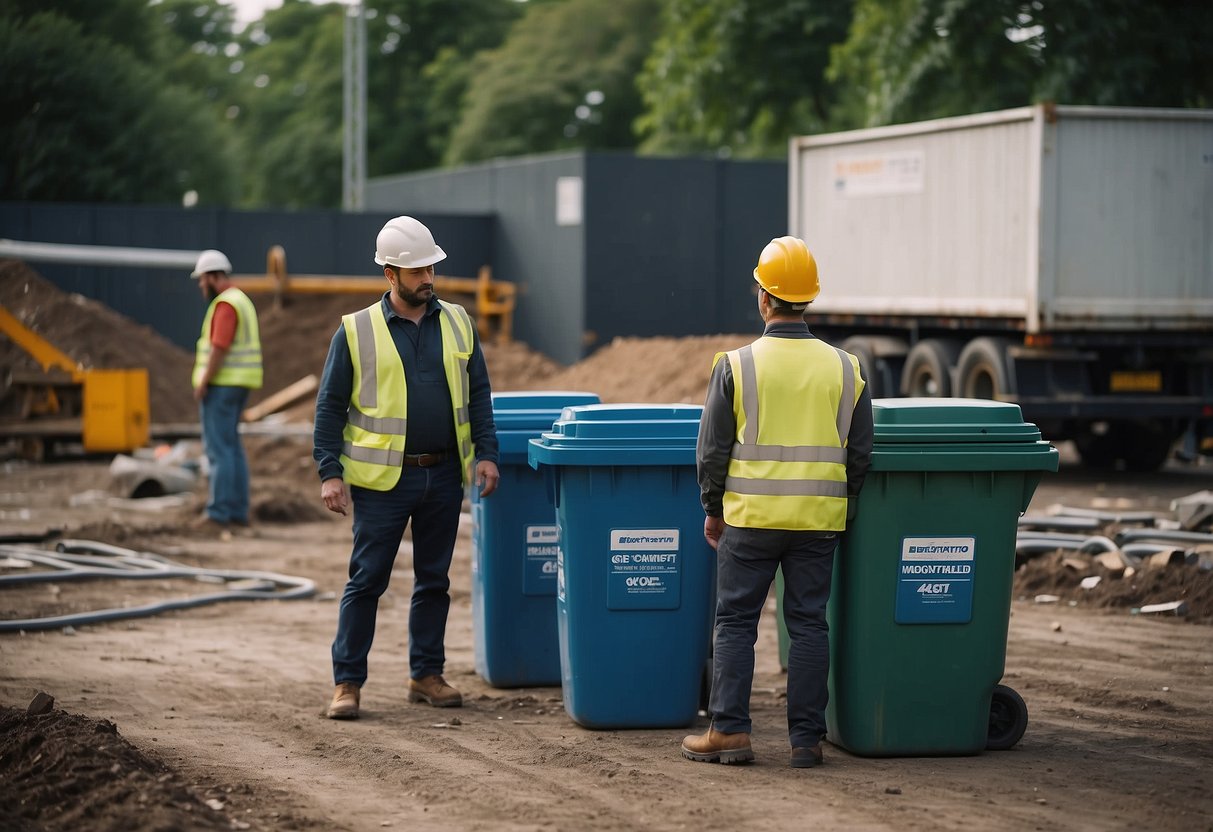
1161,536
1076,565
1122,517
1194,511
1113,562
1160,560
42,703
1173,607
1047,599
1092,581
96,497
137,478
1055,626
1059,523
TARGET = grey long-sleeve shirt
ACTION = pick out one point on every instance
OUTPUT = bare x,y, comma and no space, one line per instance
718,429
431,423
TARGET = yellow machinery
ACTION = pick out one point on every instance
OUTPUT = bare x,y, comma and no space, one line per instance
106,410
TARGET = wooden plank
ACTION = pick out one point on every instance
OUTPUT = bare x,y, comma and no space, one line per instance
286,396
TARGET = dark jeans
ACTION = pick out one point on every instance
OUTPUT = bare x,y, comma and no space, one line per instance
746,562
431,498
227,497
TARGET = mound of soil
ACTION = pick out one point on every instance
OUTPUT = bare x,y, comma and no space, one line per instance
295,337
85,331
1058,573
63,771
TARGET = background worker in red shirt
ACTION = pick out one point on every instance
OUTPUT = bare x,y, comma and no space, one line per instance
227,365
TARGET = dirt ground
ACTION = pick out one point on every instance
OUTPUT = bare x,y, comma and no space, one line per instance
210,718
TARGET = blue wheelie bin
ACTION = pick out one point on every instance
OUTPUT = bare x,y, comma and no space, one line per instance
635,578
514,544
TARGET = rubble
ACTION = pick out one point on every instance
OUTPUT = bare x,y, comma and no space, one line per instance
1176,607
1130,560
1194,511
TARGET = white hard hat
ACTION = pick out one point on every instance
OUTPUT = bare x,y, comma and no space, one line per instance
406,243
211,261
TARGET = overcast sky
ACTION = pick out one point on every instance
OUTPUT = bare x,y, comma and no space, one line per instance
250,10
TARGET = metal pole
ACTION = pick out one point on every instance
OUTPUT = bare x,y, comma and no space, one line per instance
353,165
98,255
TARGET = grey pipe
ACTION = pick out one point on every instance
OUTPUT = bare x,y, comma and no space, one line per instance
116,562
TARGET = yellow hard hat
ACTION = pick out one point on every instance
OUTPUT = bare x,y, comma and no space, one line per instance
787,270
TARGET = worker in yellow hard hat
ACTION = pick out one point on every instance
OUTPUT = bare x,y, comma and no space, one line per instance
784,445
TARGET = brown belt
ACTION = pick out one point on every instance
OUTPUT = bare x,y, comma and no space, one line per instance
423,460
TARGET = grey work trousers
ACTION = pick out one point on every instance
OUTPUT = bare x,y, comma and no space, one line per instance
746,563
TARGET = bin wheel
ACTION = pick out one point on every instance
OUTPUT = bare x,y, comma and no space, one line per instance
1008,719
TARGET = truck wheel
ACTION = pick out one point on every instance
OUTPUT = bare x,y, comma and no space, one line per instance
874,370
928,370
1008,719
983,372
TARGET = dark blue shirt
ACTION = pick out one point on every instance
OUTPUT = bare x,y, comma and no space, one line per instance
431,424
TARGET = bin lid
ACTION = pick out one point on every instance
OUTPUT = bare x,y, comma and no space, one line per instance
950,420
521,417
931,434
620,434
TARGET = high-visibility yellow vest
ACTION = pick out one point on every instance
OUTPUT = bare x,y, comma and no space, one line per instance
793,399
375,429
242,364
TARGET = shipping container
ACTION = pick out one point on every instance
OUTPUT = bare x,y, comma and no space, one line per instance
1059,257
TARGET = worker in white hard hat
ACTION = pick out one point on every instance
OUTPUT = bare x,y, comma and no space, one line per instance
404,422
784,446
227,365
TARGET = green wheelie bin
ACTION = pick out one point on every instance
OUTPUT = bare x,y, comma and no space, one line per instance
921,599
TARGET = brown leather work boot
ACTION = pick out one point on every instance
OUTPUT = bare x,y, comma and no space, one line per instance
807,757
715,747
436,691
345,702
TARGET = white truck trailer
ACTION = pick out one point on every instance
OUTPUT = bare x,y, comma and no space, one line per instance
1057,257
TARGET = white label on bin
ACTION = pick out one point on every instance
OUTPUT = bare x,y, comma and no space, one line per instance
559,568
935,580
644,540
644,569
539,569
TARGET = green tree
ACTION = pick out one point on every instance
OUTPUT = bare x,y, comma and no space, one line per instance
287,106
86,120
289,93
917,59
739,76
420,54
563,78
124,22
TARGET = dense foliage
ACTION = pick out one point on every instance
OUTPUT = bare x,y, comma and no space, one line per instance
151,100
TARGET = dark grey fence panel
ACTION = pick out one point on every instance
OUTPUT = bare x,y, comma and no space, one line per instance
671,243
663,246
545,259
753,209
319,242
651,246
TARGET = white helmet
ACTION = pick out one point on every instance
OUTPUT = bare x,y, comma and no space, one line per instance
406,243
211,261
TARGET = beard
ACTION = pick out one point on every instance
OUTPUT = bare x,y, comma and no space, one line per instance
209,293
414,299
